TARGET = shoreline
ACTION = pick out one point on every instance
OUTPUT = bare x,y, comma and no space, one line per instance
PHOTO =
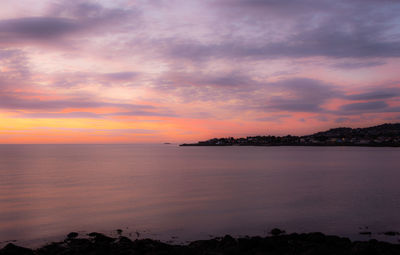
291,145
278,242
385,135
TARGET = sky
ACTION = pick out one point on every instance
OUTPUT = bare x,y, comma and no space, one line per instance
119,71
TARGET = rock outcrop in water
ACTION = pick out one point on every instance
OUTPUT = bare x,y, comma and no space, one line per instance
386,135
279,243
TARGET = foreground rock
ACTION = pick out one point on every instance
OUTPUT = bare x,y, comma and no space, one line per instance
312,243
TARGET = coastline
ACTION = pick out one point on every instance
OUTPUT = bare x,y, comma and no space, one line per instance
276,243
385,135
296,145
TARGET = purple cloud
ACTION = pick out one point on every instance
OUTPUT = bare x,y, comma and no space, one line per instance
274,118
38,28
61,115
342,120
301,95
295,29
358,65
15,102
82,79
366,106
121,76
65,20
383,93
159,113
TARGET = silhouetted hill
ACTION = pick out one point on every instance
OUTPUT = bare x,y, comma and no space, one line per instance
381,135
381,130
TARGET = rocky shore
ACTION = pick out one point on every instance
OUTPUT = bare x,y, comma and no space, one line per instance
277,243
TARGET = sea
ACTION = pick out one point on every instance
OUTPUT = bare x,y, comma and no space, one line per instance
180,194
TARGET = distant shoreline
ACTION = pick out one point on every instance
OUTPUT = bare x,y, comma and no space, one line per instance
386,135
291,145
277,243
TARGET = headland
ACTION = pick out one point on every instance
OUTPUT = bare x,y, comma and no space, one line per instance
386,135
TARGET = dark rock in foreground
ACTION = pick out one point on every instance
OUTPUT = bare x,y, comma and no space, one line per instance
11,249
312,243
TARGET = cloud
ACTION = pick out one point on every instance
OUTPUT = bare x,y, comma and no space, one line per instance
82,79
358,65
128,131
65,21
383,93
318,42
91,115
300,95
250,10
220,62
158,112
205,86
199,79
61,115
321,118
38,28
121,76
14,67
106,131
342,120
18,102
273,118
271,29
42,109
92,13
366,106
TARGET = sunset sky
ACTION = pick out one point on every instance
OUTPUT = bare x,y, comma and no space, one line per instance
119,71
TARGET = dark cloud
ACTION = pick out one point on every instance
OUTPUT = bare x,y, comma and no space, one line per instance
364,107
39,28
61,115
231,79
319,42
121,76
65,20
321,118
106,131
158,112
273,118
91,115
342,120
16,102
262,9
300,95
90,12
293,105
298,29
393,109
383,93
51,108
358,65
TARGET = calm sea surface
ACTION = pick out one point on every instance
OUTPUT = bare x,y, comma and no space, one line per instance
185,193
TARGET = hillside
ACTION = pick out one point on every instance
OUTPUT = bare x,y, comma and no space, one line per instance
381,135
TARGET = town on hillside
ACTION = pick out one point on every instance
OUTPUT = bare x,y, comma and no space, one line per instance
386,135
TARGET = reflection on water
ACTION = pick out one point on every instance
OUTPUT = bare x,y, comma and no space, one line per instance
47,191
